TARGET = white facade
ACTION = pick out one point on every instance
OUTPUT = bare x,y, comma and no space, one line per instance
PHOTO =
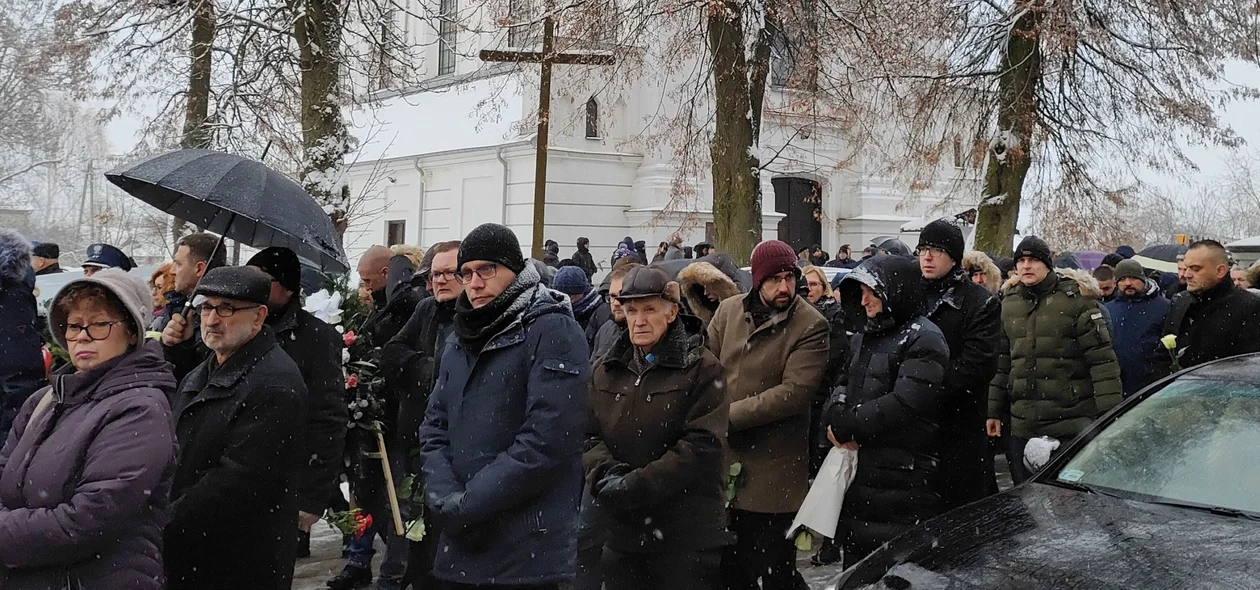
438,161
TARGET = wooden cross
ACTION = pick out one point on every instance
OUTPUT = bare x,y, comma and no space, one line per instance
545,58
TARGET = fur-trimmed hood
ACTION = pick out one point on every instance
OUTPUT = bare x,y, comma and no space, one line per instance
15,256
1086,285
976,260
695,279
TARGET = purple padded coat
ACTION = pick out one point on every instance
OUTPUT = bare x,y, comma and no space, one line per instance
85,486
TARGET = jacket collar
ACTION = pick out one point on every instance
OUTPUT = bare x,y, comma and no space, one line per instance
1223,288
680,347
285,319
227,375
947,286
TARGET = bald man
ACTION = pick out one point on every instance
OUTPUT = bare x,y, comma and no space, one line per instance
1212,319
387,276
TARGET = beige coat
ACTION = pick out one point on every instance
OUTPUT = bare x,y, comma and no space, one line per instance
770,371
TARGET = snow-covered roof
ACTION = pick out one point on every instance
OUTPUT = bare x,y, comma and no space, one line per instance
472,114
1252,242
879,217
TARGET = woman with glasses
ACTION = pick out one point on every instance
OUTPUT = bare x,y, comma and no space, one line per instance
86,472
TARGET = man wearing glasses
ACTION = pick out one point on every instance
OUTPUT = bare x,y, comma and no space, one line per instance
238,418
501,442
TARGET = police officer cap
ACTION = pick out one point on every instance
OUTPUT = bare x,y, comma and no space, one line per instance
107,256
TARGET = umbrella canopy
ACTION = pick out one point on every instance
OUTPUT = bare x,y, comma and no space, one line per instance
1165,252
237,198
1156,264
740,277
1089,259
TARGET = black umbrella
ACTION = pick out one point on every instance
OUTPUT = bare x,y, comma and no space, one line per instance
1165,252
721,261
237,198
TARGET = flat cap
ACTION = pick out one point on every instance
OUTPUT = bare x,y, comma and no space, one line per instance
646,281
45,250
242,283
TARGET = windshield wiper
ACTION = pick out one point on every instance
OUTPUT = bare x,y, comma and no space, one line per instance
1217,510
1080,487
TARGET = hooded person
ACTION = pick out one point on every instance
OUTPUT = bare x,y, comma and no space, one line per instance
624,248
773,348
982,271
970,318
239,417
892,398
21,358
86,474
501,442
316,349
704,287
551,254
1138,313
654,458
1056,371
589,307
583,257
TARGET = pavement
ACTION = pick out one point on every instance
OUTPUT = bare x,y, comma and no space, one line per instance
325,561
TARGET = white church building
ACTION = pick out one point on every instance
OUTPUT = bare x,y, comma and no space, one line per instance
437,160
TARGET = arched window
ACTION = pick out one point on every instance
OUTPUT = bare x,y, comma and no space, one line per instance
592,118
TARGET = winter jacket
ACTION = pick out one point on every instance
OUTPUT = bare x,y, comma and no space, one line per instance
52,269
668,423
410,363
234,510
85,485
605,338
699,278
971,320
1220,322
771,372
186,355
315,348
673,252
21,360
585,261
1139,324
591,312
1057,372
391,306
505,428
893,394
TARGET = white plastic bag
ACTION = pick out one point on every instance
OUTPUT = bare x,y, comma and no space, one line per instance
1038,451
821,509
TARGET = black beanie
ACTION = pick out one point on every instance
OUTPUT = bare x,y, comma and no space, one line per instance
493,243
282,264
1035,247
946,236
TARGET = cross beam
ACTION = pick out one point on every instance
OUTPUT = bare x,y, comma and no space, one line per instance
545,58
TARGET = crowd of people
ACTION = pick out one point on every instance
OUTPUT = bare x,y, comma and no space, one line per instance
658,430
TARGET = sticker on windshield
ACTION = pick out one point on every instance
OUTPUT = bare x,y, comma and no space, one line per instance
1071,474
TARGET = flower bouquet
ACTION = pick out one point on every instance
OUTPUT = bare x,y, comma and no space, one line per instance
350,522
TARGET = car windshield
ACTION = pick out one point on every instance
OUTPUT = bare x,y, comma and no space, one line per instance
1196,441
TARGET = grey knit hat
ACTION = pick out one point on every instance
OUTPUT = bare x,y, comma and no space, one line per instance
130,289
1129,269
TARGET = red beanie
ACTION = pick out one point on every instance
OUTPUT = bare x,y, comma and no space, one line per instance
770,258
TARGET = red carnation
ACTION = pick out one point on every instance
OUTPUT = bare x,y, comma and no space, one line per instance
352,381
349,338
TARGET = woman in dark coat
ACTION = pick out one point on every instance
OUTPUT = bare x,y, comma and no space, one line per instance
21,362
85,475
892,394
659,419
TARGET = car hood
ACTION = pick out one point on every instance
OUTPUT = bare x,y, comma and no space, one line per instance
1044,536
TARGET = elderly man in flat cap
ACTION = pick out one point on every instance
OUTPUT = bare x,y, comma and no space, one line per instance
238,420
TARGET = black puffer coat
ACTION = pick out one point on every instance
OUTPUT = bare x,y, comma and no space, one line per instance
1219,322
971,320
21,362
893,393
837,358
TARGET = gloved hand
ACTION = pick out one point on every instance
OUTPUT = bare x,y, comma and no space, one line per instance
449,512
613,490
843,424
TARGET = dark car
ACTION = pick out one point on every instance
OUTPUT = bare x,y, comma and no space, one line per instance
1162,492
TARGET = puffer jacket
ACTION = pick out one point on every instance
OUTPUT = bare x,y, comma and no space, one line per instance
668,422
85,485
1139,324
1057,371
892,397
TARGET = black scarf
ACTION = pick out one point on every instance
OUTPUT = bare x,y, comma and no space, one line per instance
476,327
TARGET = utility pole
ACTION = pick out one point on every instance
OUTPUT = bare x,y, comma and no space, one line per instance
545,58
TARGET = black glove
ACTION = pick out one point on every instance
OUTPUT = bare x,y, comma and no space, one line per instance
843,423
449,512
613,490
617,470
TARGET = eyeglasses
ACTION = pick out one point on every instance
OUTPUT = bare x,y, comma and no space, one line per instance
448,275
486,273
781,278
223,310
95,330
935,252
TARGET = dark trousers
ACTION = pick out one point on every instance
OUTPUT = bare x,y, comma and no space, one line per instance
675,570
420,560
761,552
1015,457
374,500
